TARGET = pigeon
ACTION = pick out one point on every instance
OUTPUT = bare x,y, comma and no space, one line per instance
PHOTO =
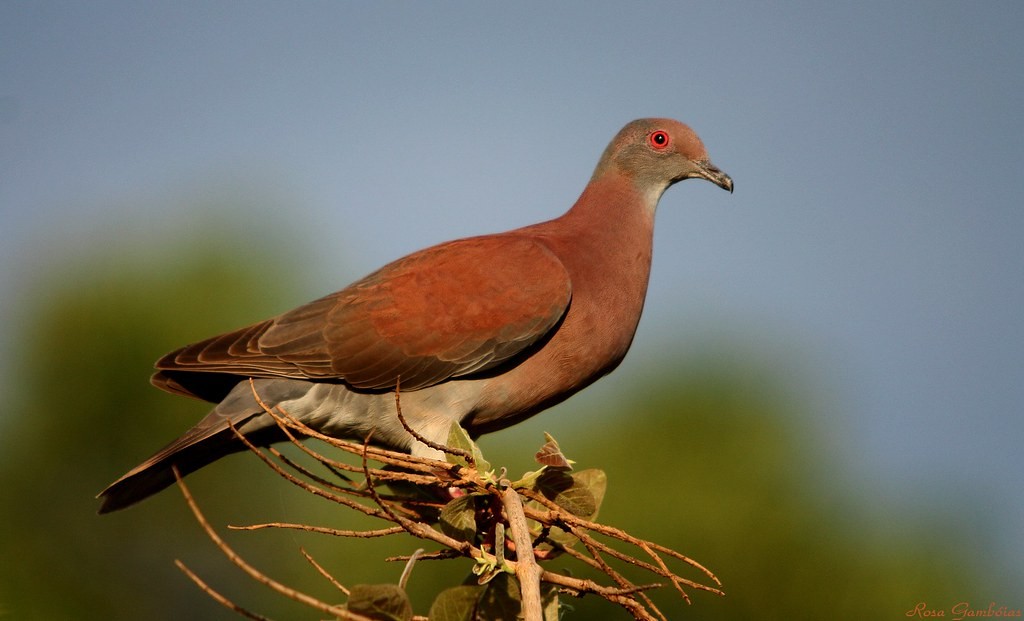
483,331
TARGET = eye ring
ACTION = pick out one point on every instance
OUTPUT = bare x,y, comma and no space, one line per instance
659,139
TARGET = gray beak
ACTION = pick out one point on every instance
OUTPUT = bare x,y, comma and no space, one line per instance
713,174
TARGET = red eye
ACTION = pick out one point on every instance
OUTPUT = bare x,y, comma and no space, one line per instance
658,139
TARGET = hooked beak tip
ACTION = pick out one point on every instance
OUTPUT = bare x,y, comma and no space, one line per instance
715,175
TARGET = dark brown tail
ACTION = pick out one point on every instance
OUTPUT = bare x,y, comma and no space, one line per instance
189,453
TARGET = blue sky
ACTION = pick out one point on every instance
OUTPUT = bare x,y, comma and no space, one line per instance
875,233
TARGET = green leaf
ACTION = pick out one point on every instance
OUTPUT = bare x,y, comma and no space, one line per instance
486,568
596,482
500,600
529,479
458,518
564,490
383,602
579,493
549,601
458,438
456,604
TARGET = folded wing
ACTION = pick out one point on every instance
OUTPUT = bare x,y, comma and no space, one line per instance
445,312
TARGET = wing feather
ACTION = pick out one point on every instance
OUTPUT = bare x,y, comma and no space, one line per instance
445,312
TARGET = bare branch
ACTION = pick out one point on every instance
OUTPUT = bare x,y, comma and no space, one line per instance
497,508
527,570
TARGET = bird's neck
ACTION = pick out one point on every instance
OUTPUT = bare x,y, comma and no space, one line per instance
616,195
614,222
605,241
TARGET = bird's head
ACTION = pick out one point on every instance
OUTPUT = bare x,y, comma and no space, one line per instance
655,153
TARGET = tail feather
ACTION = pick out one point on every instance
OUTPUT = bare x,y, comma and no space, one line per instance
211,439
200,446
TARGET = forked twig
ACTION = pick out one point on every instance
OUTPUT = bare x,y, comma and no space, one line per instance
556,514
254,573
450,450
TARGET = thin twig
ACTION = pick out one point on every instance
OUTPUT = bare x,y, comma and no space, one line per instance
324,572
557,514
592,546
439,555
418,529
324,530
595,546
443,448
622,597
307,472
316,491
676,582
254,573
217,597
385,456
287,423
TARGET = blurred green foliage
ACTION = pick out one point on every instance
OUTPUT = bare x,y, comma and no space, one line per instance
713,459
718,462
